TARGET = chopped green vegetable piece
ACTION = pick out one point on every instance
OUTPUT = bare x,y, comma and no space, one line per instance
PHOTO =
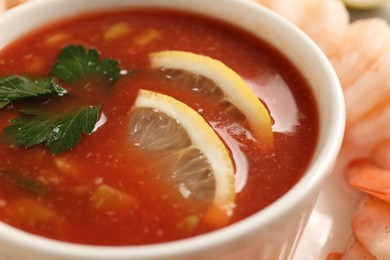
25,183
74,62
59,132
18,87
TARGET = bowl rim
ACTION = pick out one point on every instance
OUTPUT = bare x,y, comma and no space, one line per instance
315,174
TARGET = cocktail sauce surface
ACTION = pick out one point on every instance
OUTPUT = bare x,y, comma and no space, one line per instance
147,210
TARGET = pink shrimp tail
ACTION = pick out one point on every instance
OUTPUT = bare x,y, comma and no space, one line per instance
334,256
356,251
368,177
370,225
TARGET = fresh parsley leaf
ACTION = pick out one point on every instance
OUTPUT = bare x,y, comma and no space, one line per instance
74,62
19,87
59,132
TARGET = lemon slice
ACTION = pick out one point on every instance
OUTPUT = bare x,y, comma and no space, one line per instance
187,149
364,4
234,88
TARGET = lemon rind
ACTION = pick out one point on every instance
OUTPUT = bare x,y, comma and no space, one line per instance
237,92
202,136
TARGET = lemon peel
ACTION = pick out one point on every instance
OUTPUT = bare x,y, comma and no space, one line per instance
202,137
235,90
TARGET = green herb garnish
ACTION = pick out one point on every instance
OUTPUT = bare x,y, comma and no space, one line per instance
3,103
74,63
59,132
14,88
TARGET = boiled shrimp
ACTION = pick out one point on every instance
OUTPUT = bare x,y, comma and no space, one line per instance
292,10
366,176
370,130
324,21
355,251
371,222
362,62
358,51
380,155
370,89
371,227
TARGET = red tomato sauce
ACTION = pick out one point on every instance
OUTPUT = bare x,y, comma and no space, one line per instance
102,192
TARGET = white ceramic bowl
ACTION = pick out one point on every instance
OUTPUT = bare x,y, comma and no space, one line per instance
273,232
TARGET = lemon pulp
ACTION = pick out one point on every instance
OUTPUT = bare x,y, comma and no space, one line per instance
185,147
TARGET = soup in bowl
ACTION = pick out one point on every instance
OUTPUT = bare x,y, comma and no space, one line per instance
160,130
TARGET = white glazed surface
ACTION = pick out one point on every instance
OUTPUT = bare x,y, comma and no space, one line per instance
270,234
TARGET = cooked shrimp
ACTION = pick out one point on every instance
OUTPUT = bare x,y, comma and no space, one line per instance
381,154
362,63
326,22
291,9
370,130
358,50
355,251
371,226
334,256
317,18
366,176
370,89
